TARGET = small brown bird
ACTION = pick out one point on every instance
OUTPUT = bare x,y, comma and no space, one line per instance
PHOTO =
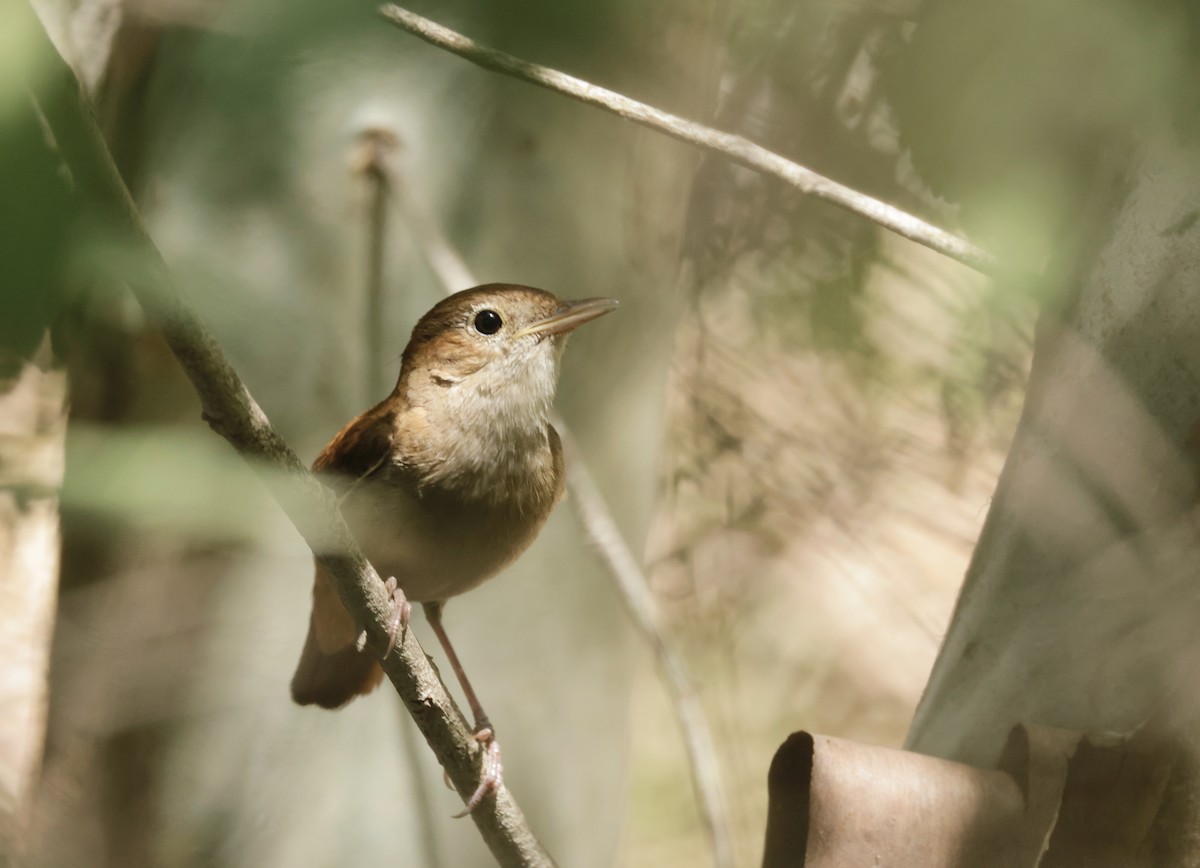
448,479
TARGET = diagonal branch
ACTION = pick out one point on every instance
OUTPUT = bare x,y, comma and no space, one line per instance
233,413
735,147
596,517
597,520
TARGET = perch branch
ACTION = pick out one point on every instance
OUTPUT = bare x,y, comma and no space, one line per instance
736,148
596,517
233,413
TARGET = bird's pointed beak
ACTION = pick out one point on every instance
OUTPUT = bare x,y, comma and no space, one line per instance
570,316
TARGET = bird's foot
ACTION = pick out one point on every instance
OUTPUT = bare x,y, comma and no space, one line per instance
401,613
491,777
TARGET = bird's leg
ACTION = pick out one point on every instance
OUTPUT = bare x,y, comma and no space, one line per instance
401,613
493,771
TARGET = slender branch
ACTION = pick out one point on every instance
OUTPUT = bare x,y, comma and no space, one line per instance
375,145
372,160
634,589
597,520
232,412
735,147
440,255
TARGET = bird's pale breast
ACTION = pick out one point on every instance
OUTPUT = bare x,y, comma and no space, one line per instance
438,543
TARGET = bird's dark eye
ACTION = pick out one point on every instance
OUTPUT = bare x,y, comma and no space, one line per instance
488,322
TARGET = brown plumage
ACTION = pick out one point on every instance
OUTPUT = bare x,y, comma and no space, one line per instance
451,477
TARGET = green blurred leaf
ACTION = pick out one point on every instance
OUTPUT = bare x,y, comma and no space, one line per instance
166,478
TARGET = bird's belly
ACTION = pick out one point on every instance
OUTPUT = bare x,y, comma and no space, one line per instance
438,548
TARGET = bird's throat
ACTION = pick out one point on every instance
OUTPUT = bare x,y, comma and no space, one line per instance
488,433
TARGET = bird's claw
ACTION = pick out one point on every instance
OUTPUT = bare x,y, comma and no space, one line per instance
492,775
401,613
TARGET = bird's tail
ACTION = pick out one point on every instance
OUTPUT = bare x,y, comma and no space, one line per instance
332,670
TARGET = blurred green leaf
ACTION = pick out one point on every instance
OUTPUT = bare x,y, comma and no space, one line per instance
37,213
165,479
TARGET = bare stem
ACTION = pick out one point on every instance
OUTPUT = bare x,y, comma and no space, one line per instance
375,145
441,256
596,517
735,147
233,413
372,160
597,520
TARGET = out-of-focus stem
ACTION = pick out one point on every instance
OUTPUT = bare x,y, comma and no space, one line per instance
441,256
375,145
372,160
597,520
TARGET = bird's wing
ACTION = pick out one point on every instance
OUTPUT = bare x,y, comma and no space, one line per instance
358,451
332,670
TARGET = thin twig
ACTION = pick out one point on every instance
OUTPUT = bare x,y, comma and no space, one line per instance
372,159
597,520
596,517
232,412
735,147
375,145
441,256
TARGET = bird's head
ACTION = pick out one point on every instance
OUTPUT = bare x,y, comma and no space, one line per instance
491,353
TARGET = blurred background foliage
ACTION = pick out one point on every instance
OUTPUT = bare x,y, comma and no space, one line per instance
838,402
